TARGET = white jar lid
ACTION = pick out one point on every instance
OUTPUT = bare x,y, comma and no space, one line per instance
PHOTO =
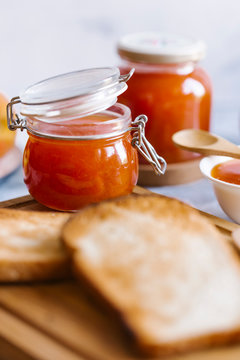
74,94
160,48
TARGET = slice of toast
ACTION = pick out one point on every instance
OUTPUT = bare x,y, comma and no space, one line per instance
30,246
163,267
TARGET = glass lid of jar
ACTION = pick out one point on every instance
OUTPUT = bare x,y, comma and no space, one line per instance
73,95
160,48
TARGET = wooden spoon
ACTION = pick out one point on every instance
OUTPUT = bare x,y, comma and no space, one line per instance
203,142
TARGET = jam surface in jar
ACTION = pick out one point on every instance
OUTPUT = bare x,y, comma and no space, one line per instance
172,102
228,171
68,174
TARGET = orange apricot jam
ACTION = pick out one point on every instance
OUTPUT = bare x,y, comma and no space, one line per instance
174,97
228,171
94,163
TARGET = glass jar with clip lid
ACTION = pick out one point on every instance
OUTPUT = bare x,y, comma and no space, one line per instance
82,145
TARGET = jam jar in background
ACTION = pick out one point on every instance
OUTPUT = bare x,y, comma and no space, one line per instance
82,145
174,92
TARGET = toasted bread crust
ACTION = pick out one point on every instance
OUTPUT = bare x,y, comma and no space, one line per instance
22,271
115,283
30,246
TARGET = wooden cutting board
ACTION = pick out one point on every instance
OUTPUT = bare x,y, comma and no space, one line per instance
59,321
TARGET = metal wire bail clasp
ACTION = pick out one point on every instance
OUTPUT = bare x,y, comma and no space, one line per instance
144,147
13,120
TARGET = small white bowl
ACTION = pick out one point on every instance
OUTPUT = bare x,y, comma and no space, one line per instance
228,195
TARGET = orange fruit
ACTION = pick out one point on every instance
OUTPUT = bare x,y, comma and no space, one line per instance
7,137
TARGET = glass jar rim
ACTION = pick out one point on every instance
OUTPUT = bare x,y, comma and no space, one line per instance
91,127
182,68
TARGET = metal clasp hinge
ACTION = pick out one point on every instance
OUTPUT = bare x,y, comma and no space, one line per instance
144,147
13,121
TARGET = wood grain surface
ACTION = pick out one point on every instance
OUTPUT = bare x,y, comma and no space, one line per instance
60,321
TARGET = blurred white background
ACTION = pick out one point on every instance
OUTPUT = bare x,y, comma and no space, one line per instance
47,37
43,38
